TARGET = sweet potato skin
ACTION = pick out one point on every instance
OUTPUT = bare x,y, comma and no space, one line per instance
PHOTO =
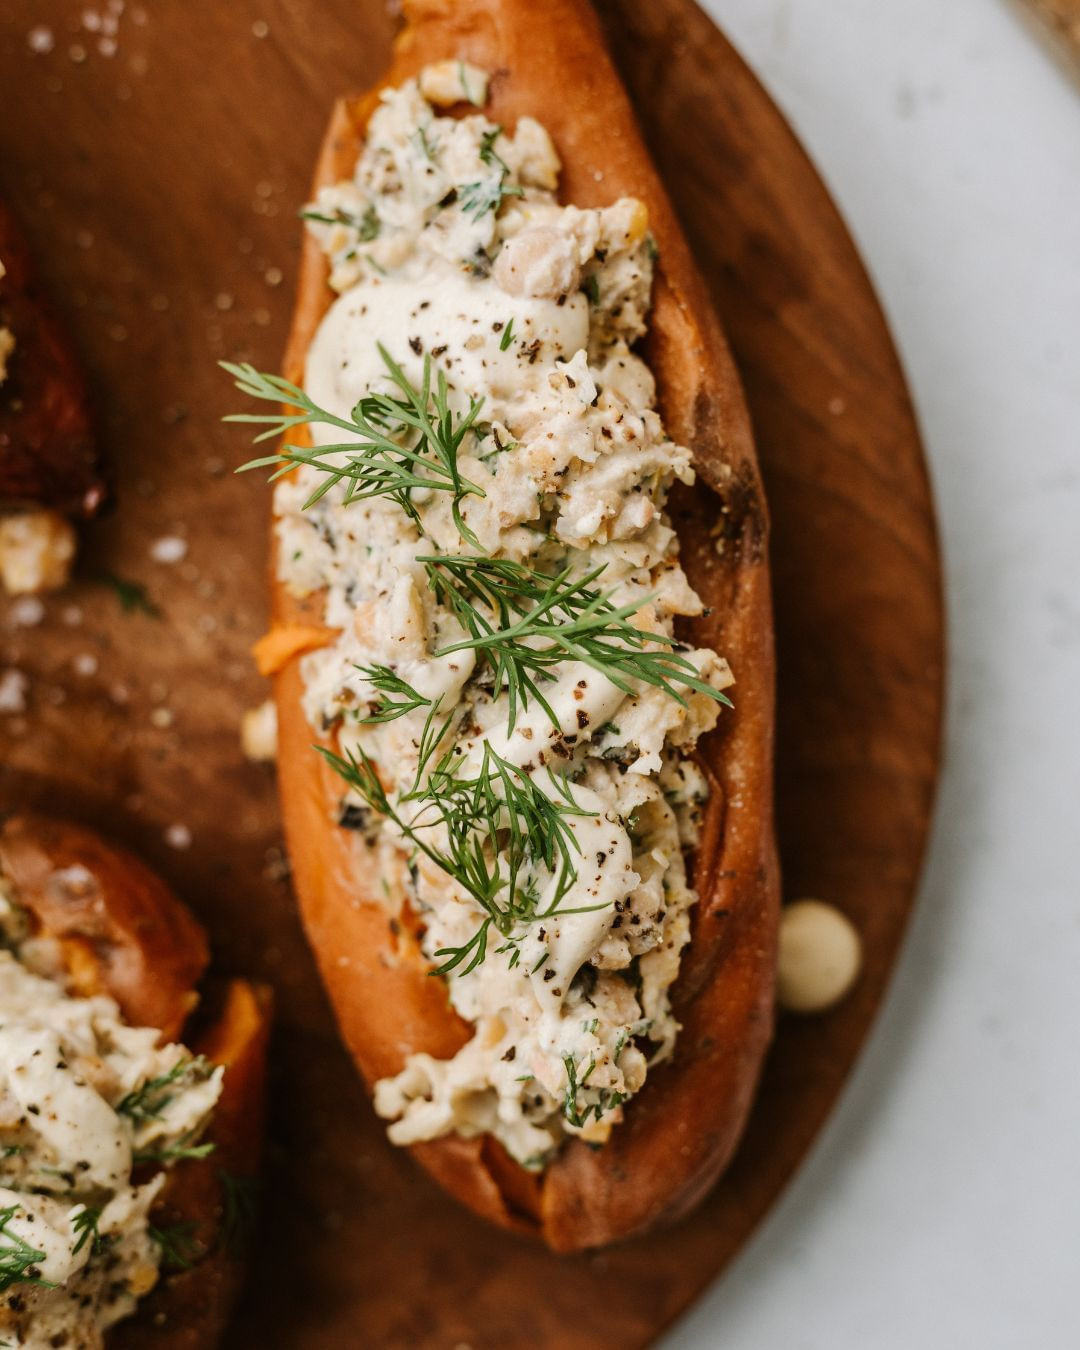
549,61
125,926
125,934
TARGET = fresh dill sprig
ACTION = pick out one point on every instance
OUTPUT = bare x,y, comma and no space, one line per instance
18,1259
149,1100
85,1223
525,622
389,684
177,1152
488,154
427,148
180,1249
487,194
131,594
400,442
502,828
607,1098
240,1202
366,226
502,832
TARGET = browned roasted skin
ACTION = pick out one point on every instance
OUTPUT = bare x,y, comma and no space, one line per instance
47,452
125,934
125,927
548,60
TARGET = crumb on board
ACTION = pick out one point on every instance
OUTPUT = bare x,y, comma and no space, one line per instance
41,39
178,836
170,548
258,732
14,686
27,612
276,865
96,29
36,552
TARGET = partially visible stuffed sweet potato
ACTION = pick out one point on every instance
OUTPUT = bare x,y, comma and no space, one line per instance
123,933
213,1198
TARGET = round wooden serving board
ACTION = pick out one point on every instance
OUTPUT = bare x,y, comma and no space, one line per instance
159,183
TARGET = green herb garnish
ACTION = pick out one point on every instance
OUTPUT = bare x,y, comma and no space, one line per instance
488,194
18,1259
366,226
525,623
390,684
425,146
131,594
179,1247
148,1102
606,1101
85,1223
240,1199
402,442
501,829
177,1152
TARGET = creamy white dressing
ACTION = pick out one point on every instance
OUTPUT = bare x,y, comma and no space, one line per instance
70,1069
532,308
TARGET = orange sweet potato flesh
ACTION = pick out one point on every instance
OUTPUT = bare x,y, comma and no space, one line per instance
548,61
125,934
281,645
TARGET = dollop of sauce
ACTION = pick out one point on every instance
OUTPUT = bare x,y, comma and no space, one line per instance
454,259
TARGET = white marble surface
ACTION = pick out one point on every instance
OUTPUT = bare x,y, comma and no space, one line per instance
941,1208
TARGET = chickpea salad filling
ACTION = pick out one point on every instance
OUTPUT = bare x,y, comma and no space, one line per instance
93,1112
478,495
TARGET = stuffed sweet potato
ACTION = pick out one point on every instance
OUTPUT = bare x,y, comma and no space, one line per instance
519,539
128,1159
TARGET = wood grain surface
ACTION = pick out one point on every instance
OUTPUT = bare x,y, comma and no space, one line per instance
1058,23
159,182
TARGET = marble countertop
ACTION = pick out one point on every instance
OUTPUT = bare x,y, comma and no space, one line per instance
941,1207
